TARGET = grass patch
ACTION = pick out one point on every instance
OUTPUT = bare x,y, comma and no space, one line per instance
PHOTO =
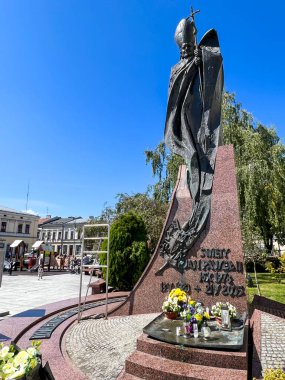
269,287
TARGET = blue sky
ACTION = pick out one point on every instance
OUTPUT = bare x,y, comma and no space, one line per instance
83,90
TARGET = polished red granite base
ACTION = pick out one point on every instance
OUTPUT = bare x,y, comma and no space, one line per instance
222,231
162,361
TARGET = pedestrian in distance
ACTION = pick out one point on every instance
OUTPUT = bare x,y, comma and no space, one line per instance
11,265
41,267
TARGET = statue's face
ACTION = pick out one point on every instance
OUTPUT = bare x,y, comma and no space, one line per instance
187,50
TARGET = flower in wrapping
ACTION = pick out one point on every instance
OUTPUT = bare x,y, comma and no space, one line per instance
17,374
33,363
8,369
5,353
32,352
21,359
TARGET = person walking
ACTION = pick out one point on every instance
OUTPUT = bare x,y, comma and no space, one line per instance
41,267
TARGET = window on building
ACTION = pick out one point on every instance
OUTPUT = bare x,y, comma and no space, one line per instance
27,229
59,235
71,235
20,228
53,236
65,249
48,235
78,249
38,235
66,235
43,236
3,226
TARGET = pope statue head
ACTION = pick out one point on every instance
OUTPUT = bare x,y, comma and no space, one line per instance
185,37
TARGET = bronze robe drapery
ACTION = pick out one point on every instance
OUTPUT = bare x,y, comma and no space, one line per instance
192,131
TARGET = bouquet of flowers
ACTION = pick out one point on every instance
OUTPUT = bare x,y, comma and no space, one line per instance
216,309
175,301
20,364
194,312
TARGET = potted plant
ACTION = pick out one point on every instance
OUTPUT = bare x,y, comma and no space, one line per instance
216,310
174,303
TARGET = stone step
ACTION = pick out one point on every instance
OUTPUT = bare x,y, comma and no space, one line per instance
212,358
151,367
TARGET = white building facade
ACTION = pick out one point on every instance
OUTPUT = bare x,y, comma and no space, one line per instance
17,225
64,234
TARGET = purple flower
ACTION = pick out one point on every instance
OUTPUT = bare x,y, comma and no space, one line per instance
193,320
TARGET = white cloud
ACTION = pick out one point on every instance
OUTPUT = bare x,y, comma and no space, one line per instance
32,212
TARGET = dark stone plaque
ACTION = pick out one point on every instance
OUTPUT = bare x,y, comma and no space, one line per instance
46,330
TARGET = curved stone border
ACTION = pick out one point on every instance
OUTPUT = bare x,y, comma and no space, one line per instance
45,330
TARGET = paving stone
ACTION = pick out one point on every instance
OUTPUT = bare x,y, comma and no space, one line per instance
32,293
272,342
100,347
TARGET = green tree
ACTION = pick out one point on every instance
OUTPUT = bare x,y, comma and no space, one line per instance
277,268
151,210
129,253
260,161
165,167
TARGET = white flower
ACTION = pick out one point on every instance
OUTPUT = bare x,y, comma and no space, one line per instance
8,368
5,353
200,310
32,352
21,359
17,374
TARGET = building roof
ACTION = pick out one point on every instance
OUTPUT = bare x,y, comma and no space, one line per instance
56,222
44,221
7,209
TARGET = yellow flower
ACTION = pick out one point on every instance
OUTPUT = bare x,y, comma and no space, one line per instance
33,363
198,317
192,303
206,315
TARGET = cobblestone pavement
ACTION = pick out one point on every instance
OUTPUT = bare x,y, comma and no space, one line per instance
99,348
21,292
272,342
